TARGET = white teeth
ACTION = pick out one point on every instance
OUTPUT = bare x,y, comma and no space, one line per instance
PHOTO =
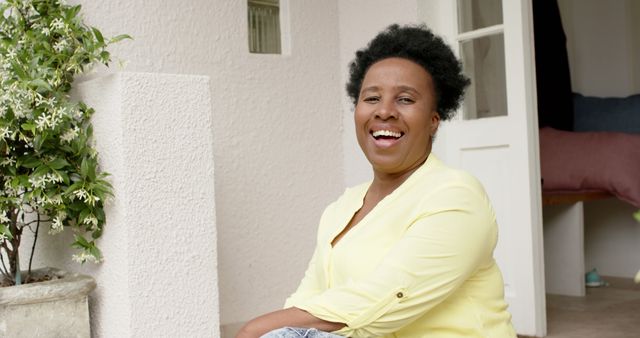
386,133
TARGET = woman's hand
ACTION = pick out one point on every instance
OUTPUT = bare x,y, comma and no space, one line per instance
292,317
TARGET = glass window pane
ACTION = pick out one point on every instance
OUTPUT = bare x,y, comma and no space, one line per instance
476,14
264,26
483,61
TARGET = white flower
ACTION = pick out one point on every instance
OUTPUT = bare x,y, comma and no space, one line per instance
56,117
4,218
12,54
77,113
46,31
92,200
43,122
60,46
57,200
83,257
57,24
38,182
19,110
53,178
3,110
5,132
3,238
70,134
8,161
90,220
56,226
81,194
40,100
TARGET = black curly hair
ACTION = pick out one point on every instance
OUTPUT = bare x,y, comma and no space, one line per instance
420,45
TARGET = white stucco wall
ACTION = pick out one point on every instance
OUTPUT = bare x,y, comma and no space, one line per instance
154,135
276,126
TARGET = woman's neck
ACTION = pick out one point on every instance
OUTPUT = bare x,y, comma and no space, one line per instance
385,183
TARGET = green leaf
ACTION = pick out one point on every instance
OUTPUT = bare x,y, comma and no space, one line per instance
97,234
77,206
84,167
120,38
72,12
24,180
104,56
636,215
65,177
58,164
92,170
84,214
29,127
41,170
22,74
81,242
98,35
41,84
88,168
4,230
73,187
30,162
100,214
95,251
39,140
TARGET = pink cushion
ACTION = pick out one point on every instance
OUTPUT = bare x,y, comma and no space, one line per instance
591,161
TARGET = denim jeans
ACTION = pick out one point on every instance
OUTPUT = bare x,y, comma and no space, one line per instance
296,332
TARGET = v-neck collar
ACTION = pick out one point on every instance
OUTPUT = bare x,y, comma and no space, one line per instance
356,202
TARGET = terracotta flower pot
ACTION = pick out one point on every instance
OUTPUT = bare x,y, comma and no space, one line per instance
53,308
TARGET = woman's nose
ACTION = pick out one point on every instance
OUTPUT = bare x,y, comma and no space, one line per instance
386,110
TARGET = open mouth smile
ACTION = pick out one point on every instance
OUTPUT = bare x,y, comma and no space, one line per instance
386,138
384,134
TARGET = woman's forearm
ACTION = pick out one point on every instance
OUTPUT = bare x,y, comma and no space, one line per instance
292,317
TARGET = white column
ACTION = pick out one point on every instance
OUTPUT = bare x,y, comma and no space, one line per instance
159,277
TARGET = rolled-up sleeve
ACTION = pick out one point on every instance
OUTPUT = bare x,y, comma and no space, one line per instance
441,248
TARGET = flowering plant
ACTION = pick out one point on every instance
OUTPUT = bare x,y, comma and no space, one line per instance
49,173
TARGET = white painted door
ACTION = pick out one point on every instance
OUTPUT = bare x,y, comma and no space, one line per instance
495,137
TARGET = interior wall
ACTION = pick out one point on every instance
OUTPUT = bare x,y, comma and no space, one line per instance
603,46
634,13
612,238
276,126
603,41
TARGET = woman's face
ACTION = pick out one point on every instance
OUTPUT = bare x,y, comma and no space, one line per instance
396,115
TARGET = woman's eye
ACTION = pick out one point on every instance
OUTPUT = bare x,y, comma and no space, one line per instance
371,99
405,100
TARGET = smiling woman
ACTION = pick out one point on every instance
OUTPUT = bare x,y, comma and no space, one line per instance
396,115
409,254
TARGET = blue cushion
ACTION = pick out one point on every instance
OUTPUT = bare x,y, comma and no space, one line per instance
618,114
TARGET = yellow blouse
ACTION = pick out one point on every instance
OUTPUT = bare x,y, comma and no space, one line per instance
420,264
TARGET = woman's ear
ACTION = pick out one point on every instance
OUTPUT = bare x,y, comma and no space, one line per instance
435,123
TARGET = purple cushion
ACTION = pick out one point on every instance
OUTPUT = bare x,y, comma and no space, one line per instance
591,161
